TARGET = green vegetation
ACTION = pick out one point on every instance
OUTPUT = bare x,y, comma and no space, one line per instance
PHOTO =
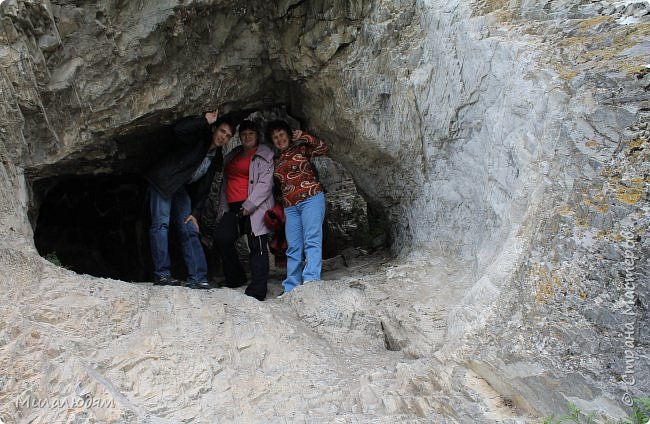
52,257
640,415
574,415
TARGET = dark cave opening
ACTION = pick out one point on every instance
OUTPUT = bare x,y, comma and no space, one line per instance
96,225
99,225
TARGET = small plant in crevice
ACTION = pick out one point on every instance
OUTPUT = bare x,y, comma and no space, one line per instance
641,412
639,415
53,258
574,415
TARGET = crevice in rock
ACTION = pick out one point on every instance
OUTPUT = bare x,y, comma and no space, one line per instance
389,341
292,7
340,49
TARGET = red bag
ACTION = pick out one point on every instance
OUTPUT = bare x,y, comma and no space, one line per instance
274,219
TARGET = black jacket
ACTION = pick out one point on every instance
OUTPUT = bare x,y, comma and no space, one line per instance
193,138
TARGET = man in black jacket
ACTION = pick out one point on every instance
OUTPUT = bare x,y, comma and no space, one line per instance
179,185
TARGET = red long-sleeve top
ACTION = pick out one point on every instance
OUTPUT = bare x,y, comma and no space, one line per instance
295,173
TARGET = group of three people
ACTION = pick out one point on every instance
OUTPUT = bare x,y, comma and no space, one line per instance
180,184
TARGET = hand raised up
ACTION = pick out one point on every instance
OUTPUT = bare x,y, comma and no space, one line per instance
211,117
296,134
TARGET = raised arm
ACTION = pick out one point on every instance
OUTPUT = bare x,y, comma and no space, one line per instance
187,129
315,146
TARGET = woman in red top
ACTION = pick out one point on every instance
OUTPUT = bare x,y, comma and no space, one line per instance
245,196
303,200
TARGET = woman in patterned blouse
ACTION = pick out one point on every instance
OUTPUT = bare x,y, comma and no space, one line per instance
303,200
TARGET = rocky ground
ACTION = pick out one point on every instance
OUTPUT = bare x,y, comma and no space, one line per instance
358,346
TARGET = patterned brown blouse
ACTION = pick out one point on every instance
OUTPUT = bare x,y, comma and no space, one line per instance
295,173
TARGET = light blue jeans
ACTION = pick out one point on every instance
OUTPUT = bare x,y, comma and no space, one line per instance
175,210
304,230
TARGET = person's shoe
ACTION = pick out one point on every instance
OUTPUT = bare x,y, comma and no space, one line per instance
231,285
281,295
255,296
203,285
166,280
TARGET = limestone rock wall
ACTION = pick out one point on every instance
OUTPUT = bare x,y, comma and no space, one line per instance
507,143
87,73
510,136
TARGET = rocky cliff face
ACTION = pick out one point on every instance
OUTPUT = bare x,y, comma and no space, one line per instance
506,143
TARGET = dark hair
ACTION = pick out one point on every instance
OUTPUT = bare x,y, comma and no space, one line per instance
248,125
277,125
221,121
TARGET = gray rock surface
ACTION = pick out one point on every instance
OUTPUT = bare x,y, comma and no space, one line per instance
506,143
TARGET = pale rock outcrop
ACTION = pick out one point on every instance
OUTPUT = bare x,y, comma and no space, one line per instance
506,143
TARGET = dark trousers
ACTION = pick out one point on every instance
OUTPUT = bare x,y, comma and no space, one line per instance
226,232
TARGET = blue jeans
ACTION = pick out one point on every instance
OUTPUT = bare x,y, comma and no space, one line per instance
304,230
176,210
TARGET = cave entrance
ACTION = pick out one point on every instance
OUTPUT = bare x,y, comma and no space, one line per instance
99,224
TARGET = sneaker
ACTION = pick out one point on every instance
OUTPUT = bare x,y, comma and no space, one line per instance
281,295
166,280
204,285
